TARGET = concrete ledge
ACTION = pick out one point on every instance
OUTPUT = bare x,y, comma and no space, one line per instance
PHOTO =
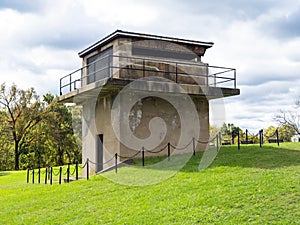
108,85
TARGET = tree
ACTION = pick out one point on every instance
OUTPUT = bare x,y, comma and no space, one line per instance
60,139
290,118
22,112
230,132
6,151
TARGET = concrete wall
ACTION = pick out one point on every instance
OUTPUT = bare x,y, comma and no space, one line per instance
97,120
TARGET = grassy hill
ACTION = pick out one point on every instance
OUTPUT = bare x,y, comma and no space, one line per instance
250,186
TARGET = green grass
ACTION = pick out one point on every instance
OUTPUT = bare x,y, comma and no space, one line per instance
250,186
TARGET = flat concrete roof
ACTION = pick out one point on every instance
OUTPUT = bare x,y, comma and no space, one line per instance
120,33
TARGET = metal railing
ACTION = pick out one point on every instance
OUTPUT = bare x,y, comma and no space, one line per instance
127,67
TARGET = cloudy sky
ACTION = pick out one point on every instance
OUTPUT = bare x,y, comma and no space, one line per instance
40,40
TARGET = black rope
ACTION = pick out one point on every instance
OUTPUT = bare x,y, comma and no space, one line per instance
182,148
109,160
131,157
213,139
84,165
55,174
160,150
66,172
268,137
73,171
202,142
95,163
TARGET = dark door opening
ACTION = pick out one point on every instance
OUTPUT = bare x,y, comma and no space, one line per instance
99,152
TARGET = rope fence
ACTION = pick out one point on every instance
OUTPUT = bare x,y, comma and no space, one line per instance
50,174
274,138
168,146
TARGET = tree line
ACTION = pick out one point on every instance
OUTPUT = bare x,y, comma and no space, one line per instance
230,132
36,131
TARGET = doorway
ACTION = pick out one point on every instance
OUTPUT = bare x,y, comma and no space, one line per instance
99,153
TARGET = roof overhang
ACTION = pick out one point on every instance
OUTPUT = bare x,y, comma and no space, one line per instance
109,85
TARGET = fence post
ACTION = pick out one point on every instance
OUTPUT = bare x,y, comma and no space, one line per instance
76,169
28,176
169,151
277,137
247,136
239,144
33,176
143,156
194,148
46,174
60,172
68,173
217,139
260,137
116,163
39,177
51,170
87,168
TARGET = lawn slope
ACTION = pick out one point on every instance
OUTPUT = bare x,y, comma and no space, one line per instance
247,186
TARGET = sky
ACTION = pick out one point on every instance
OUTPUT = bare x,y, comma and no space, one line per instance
40,41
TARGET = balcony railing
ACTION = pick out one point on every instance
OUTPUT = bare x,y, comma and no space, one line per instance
131,68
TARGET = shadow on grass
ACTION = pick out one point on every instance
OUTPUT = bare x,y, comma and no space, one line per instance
249,156
252,156
3,173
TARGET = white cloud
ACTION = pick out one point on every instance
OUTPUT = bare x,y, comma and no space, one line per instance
133,13
39,43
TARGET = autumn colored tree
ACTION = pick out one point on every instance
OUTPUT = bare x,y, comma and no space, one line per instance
21,111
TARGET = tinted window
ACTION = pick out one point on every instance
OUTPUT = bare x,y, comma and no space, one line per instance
99,66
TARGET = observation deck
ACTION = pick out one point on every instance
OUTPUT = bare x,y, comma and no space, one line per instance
113,72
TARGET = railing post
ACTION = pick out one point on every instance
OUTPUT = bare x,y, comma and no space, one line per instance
33,176
143,156
46,174
234,79
60,172
39,177
87,168
76,169
28,175
247,136
194,147
70,83
116,163
215,80
207,81
60,91
169,151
